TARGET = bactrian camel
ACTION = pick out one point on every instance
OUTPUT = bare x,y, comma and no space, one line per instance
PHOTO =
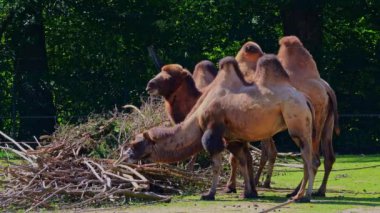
236,110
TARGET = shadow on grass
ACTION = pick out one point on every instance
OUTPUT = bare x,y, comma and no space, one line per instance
337,200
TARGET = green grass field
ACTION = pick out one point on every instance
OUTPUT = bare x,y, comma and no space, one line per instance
354,186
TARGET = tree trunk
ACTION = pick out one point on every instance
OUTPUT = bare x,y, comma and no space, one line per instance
303,18
34,99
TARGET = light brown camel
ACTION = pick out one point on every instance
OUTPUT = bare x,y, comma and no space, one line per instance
304,75
234,109
183,89
247,58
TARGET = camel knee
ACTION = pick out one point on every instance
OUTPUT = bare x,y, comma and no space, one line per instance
316,161
212,140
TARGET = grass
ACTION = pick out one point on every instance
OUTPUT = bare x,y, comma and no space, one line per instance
353,186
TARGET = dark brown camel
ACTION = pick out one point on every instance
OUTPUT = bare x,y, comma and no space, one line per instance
183,89
234,109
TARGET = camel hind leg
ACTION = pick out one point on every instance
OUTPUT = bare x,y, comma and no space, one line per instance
298,120
309,170
328,153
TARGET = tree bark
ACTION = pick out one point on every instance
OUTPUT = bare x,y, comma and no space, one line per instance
34,99
303,18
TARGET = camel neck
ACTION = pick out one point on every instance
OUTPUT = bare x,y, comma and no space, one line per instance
181,101
179,144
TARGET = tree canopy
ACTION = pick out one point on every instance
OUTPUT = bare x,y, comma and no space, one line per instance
62,60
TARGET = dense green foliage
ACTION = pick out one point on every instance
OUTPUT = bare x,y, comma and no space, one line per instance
97,51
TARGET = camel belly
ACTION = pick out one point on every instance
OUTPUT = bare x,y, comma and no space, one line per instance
253,121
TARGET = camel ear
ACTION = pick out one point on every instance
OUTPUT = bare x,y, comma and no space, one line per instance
147,137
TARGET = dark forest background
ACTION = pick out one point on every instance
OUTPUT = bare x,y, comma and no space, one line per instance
61,60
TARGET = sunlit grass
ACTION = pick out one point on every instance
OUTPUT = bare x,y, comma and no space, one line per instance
353,184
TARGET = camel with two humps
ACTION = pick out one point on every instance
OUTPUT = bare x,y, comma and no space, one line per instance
234,109
303,75
176,85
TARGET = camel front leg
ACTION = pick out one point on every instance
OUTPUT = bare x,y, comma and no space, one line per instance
212,142
216,168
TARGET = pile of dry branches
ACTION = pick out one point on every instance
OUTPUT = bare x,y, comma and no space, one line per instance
68,181
67,171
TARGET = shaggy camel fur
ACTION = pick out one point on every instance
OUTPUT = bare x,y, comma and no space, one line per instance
172,82
235,109
181,90
304,75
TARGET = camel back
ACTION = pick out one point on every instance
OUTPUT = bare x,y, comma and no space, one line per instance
270,71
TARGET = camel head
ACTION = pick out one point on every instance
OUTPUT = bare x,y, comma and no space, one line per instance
140,148
168,80
250,52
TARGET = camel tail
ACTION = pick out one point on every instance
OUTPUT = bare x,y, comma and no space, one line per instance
333,108
310,105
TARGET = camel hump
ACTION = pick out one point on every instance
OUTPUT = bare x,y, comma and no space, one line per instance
269,65
229,60
207,66
290,41
172,67
252,48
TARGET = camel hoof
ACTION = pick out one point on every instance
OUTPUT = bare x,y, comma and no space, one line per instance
302,200
228,190
207,197
250,195
319,194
